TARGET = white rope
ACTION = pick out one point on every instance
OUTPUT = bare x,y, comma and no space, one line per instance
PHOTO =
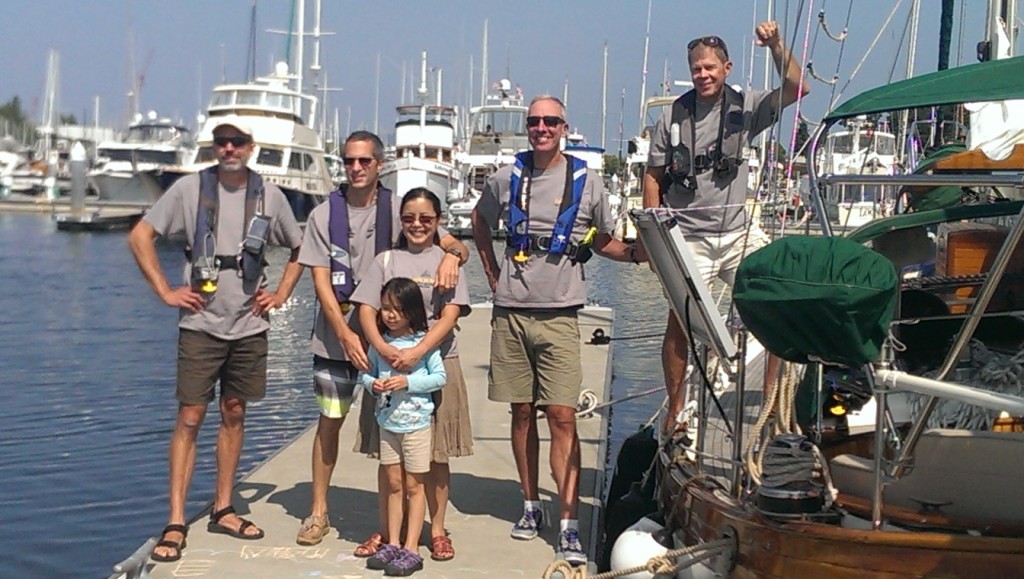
853,75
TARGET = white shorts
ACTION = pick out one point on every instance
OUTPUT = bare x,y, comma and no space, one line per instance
719,256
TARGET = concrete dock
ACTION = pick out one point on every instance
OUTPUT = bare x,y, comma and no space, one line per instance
485,495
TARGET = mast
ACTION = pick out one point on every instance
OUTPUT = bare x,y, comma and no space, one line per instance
376,99
643,81
604,95
422,92
483,70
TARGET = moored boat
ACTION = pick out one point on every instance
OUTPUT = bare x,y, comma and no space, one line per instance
883,450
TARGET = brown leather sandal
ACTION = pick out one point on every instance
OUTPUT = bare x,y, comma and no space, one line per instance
441,548
370,546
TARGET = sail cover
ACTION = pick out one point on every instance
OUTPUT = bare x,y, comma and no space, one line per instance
817,299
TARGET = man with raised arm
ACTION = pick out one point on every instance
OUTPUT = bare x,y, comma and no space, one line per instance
696,166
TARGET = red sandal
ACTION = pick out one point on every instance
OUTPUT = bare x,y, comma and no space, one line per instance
441,548
370,546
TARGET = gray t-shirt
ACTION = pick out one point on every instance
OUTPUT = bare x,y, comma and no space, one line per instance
228,312
545,280
316,252
421,267
717,206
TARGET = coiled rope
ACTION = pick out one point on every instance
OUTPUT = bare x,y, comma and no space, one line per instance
659,565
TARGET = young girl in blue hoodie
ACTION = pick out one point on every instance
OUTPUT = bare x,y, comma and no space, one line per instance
404,408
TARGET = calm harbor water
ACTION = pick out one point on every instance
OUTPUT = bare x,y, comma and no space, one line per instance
87,363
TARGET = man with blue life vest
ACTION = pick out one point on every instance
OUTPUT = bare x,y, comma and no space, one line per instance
228,215
557,215
342,237
696,166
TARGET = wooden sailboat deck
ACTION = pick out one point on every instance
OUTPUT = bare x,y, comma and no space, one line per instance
485,495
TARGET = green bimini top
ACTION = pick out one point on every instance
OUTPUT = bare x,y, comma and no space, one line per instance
871,230
994,80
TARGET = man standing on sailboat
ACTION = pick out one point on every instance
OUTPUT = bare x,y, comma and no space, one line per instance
696,166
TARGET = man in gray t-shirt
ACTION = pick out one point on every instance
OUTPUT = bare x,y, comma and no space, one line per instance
223,324
535,337
696,166
337,342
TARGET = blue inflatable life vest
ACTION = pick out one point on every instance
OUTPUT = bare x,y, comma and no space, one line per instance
518,211
338,228
204,245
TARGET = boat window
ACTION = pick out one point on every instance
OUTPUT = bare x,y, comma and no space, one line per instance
205,155
162,157
300,161
501,122
221,99
249,97
275,100
268,156
842,144
882,144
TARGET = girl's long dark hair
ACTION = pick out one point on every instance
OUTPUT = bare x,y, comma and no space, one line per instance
406,294
412,195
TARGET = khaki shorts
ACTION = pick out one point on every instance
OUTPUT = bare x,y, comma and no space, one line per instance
409,449
240,366
535,357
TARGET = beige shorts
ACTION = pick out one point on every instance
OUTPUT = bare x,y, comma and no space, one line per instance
719,256
535,357
410,449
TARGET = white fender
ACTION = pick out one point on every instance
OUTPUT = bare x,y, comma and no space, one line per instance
635,546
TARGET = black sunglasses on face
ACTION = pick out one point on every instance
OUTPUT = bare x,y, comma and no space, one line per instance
709,41
363,161
423,219
550,121
235,141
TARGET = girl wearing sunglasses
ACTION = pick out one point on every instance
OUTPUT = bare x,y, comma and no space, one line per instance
417,256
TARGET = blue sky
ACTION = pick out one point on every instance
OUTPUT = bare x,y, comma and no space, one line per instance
184,47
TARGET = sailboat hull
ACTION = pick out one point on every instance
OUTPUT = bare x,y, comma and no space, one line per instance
765,548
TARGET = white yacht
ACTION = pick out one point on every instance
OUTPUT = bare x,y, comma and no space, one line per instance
632,188
288,151
860,148
497,131
425,139
130,170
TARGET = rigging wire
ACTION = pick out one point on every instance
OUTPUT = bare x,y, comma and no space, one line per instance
792,138
842,48
874,42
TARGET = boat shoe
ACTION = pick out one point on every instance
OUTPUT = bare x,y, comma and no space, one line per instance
313,530
528,525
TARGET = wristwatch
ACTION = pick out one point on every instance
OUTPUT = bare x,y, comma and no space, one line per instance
632,255
454,251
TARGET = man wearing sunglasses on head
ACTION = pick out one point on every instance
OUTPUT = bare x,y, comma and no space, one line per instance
556,214
696,165
343,235
228,215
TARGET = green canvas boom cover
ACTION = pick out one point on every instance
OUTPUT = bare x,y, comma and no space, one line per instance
817,299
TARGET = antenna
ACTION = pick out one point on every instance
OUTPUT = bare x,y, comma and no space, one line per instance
643,83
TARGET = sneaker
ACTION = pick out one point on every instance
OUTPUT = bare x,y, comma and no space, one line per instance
528,525
383,556
405,564
570,548
313,530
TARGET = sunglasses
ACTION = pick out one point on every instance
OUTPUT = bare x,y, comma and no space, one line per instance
423,219
549,121
235,141
363,161
710,41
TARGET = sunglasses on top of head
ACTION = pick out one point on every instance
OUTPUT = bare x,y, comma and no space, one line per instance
423,219
549,121
709,41
363,161
235,141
